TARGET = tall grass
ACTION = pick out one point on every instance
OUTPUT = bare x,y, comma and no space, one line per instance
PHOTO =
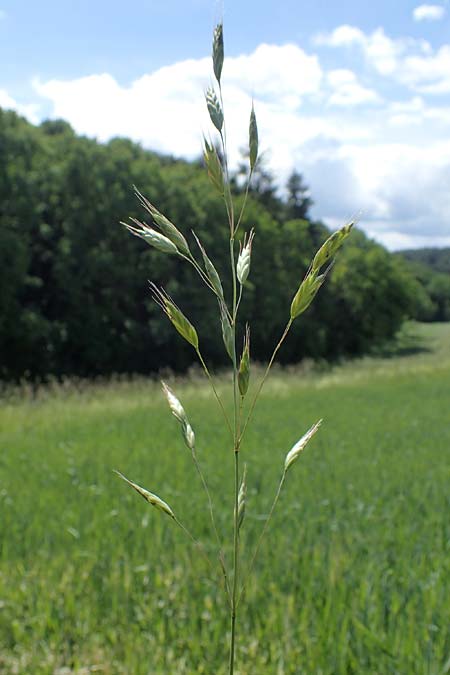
355,576
164,236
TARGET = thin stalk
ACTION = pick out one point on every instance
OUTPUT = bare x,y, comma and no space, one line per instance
194,540
223,137
213,522
219,400
261,536
236,421
235,563
200,272
239,299
264,378
247,187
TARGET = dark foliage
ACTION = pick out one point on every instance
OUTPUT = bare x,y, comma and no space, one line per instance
74,295
431,268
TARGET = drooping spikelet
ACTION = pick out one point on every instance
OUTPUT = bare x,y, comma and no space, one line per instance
300,445
179,413
151,498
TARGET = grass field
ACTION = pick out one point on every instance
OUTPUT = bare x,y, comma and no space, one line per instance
355,577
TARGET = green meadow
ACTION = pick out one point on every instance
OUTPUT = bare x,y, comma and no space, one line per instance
353,577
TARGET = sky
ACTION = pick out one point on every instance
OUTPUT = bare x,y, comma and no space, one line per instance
354,96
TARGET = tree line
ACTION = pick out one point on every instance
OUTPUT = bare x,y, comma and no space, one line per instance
431,268
74,296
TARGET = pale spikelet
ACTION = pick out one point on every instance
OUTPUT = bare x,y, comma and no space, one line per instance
151,498
175,406
176,316
214,109
218,51
244,259
188,435
327,251
165,225
242,495
179,413
151,236
244,365
300,445
253,139
211,271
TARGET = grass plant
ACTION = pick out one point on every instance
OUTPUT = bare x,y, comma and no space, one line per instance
163,235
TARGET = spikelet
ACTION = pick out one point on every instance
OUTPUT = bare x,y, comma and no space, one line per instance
176,316
151,236
227,332
300,446
242,495
244,365
218,51
189,436
327,251
179,413
175,406
214,109
244,259
167,228
213,165
211,271
307,292
151,498
253,139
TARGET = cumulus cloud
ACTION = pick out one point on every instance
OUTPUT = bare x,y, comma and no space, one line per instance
357,149
428,13
408,61
28,110
347,91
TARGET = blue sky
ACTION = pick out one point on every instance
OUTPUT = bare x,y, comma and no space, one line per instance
355,96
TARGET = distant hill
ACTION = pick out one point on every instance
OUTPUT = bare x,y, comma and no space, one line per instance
431,268
438,259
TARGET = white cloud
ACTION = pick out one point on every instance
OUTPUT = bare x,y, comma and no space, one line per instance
342,36
407,61
165,109
428,13
28,110
347,91
357,150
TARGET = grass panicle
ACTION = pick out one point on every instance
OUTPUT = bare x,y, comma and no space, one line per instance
171,240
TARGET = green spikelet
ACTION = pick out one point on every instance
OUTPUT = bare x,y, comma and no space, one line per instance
218,51
214,109
151,498
244,366
253,139
176,316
